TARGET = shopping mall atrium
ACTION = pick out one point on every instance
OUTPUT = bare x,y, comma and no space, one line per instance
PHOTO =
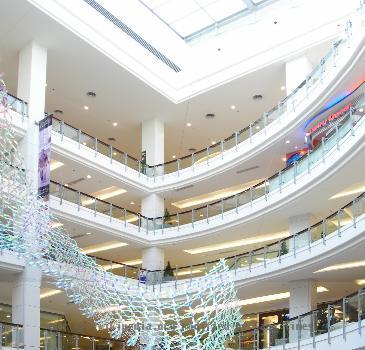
182,174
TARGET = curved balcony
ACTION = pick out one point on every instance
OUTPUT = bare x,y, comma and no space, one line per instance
235,149
344,142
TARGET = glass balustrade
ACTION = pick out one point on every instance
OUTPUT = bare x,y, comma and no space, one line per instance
215,212
234,142
17,105
334,317
336,224
11,336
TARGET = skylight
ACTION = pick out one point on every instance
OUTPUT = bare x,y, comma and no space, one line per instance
188,17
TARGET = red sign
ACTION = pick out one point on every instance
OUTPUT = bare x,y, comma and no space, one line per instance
328,119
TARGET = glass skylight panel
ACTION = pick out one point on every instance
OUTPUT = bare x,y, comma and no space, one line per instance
222,9
188,17
174,10
193,23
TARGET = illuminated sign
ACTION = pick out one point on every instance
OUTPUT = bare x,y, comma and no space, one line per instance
329,119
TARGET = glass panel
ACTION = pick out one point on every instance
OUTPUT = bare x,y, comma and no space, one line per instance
316,232
103,148
87,140
70,195
70,132
103,207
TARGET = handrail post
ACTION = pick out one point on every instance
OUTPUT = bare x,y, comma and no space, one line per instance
323,151
222,208
295,245
280,181
284,334
79,138
59,341
266,182
352,122
96,147
208,154
354,212
178,167
222,148
251,196
239,341
178,221
78,200
139,223
207,213
339,223
250,261
111,154
264,117
324,231
359,310
265,256
62,127
309,161
237,203
61,194
337,138
236,140
139,168
76,341
110,211
125,217
314,328
344,315
329,316
193,161
295,171
192,217
250,131
299,330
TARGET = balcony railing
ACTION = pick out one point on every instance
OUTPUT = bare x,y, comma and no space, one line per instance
235,141
216,211
337,316
11,336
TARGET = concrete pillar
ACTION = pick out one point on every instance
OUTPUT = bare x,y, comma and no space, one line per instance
152,206
303,299
153,258
31,88
296,71
26,306
296,224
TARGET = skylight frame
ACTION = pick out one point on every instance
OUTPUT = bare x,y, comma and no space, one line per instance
249,7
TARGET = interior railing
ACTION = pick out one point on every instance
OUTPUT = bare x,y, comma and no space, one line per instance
232,143
215,212
11,336
336,223
339,315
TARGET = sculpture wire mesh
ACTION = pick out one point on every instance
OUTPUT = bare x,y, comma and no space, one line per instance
154,319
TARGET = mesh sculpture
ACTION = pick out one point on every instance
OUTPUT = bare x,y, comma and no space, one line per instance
155,319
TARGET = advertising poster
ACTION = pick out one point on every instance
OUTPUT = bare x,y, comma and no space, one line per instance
44,157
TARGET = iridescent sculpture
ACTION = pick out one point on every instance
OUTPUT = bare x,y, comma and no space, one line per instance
164,318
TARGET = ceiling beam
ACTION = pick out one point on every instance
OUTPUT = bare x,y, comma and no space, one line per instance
250,5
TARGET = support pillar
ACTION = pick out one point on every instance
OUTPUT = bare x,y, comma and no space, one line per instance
153,258
26,306
296,71
31,88
303,299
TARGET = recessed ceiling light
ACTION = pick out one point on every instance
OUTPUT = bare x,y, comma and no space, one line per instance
360,282
287,141
49,293
257,127
66,185
201,215
173,157
283,159
46,84
189,125
88,176
86,108
233,107
114,153
213,142
350,265
209,115
115,124
131,203
361,110
296,147
104,246
282,88
55,164
58,111
84,143
88,233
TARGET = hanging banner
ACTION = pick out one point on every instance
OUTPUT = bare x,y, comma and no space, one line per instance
44,157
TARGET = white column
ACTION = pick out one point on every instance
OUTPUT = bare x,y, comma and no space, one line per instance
296,71
153,258
303,297
153,141
26,305
152,206
296,224
31,88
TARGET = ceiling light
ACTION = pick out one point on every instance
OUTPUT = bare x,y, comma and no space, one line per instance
282,88
287,141
188,125
84,143
283,159
49,293
66,185
257,127
252,301
115,124
296,147
233,107
131,203
209,115
349,191
58,111
257,97
361,110
213,196
114,153
350,265
213,142
88,233
86,108
242,242
360,282
108,192
173,157
133,262
88,176
102,247
55,164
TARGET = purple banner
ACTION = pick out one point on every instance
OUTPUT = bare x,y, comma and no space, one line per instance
44,158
